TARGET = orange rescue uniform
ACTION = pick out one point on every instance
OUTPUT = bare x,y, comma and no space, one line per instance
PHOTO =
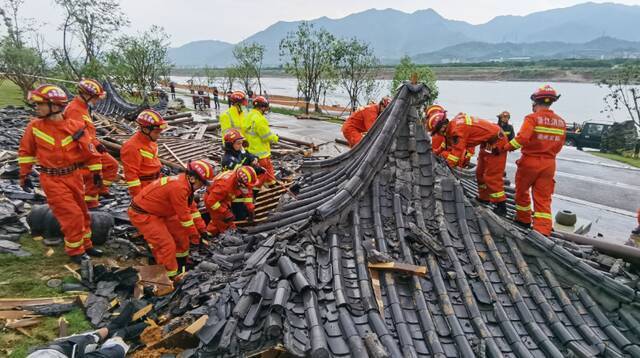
465,133
50,144
78,110
359,122
540,139
140,162
223,191
162,214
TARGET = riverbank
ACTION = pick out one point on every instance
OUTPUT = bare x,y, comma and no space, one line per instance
634,162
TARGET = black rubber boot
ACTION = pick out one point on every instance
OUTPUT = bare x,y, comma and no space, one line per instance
482,201
501,209
77,259
522,225
94,252
182,264
636,231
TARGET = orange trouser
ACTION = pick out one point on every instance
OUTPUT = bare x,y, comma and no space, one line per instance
166,238
536,173
66,200
269,175
109,175
217,225
352,136
489,174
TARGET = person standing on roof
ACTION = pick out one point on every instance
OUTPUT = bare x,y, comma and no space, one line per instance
61,147
503,122
260,137
79,109
163,213
139,154
361,121
540,139
226,187
464,133
234,116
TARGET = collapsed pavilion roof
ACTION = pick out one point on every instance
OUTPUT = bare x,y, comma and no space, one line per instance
489,289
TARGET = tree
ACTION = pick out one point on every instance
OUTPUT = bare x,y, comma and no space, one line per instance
244,74
139,62
249,57
93,23
406,69
624,91
307,55
21,63
357,68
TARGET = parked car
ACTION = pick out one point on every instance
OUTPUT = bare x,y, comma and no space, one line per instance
589,135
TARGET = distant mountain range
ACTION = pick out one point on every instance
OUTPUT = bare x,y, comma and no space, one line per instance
586,30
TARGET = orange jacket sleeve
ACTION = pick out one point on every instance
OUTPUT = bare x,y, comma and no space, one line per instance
197,218
92,157
459,146
179,200
214,200
524,135
27,151
131,161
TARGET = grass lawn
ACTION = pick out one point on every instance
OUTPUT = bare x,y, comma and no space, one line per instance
27,277
10,94
634,162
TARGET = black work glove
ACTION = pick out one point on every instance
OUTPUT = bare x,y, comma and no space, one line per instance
259,170
204,237
26,184
97,179
101,148
229,218
77,135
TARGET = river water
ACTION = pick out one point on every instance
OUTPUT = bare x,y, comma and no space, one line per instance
579,102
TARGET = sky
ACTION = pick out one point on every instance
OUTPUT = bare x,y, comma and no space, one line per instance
235,20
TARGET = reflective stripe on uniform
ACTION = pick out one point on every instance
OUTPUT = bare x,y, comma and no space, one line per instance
523,208
243,200
94,167
164,180
542,215
216,206
187,223
91,198
146,154
135,182
107,182
548,130
73,245
497,195
44,136
182,254
482,186
266,135
87,118
87,235
66,141
514,143
453,158
196,215
467,120
469,155
172,273
27,160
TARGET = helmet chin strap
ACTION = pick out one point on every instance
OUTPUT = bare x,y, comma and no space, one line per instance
143,130
51,111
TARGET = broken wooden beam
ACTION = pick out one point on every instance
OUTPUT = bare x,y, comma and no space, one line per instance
400,267
184,337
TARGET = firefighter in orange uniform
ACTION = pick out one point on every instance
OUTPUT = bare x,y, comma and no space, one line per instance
464,133
361,121
162,213
540,139
89,92
139,154
226,187
61,147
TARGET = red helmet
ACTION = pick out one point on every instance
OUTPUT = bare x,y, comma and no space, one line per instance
504,114
92,88
260,101
436,121
48,94
232,136
385,101
238,97
149,118
545,94
434,108
201,169
246,175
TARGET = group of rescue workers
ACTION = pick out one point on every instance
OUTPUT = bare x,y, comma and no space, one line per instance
540,139
75,170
